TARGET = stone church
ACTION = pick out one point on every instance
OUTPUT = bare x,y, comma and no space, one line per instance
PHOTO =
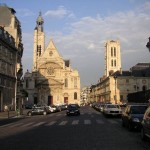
52,80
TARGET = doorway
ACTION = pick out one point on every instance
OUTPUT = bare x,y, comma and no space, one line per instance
35,100
66,100
50,100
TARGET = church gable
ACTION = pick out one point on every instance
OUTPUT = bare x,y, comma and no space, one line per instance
51,51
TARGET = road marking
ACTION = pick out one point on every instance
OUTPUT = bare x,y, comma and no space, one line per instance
87,122
100,121
51,123
28,124
7,125
75,122
63,123
38,124
15,125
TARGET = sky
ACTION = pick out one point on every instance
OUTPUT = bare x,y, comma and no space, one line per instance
80,29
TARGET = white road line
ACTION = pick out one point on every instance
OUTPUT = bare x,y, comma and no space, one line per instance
51,123
38,124
87,122
8,124
15,125
28,124
63,123
75,122
100,121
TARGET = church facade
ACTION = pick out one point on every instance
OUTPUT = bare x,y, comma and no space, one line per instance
52,81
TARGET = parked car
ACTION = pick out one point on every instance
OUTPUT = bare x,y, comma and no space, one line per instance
50,109
112,110
72,109
133,115
145,131
37,111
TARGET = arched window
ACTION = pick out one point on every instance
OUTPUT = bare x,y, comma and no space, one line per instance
112,63
66,82
115,63
111,51
75,95
114,51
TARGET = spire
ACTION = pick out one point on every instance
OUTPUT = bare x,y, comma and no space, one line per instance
39,22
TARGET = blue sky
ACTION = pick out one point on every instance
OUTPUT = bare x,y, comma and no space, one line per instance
80,28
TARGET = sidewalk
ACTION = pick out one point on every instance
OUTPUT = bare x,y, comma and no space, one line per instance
12,114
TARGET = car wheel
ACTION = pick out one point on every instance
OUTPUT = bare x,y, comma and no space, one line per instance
44,113
143,136
29,114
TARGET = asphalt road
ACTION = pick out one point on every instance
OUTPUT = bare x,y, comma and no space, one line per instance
89,131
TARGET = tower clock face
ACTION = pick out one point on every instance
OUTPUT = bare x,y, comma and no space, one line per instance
50,70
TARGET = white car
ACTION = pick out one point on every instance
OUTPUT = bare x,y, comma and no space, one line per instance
112,109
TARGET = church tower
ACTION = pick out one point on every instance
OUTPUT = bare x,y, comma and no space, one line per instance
39,41
112,57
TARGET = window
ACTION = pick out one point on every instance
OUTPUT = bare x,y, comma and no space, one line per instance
115,63
66,82
39,49
112,63
114,51
75,82
121,97
111,51
27,83
75,95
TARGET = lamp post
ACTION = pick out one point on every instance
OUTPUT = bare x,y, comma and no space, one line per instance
115,78
148,45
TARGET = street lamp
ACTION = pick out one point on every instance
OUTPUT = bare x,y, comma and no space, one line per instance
148,44
115,78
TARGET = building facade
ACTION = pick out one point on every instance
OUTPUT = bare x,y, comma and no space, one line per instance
8,59
116,87
52,80
10,23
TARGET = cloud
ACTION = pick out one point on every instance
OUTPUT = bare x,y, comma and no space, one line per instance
60,12
84,42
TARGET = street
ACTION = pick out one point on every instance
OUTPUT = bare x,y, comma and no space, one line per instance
89,131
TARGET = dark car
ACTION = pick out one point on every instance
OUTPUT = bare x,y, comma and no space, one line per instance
133,116
145,131
37,111
73,109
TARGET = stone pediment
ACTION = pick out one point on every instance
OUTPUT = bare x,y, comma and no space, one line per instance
51,51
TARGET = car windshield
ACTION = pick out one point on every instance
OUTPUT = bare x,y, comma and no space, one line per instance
112,106
72,106
138,109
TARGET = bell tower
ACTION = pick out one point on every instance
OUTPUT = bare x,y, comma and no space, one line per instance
39,41
112,57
